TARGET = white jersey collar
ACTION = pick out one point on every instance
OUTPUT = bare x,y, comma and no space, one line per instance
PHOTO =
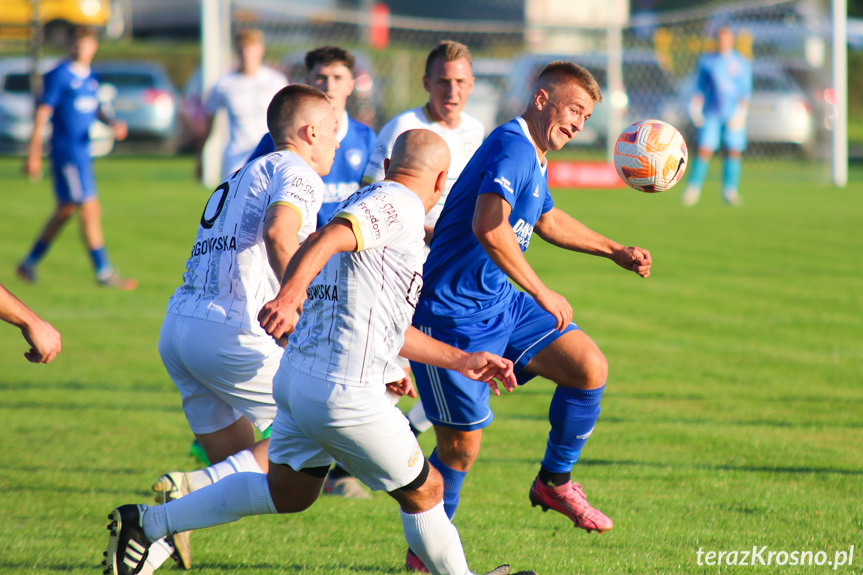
542,164
343,127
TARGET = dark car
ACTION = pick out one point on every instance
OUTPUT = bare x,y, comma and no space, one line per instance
145,99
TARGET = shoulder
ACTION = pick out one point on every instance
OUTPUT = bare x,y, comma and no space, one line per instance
273,75
405,121
360,129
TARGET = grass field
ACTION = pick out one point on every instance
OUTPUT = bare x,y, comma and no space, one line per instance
733,416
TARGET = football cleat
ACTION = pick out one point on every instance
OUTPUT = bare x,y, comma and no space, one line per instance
347,487
167,488
127,546
569,499
414,563
25,273
115,280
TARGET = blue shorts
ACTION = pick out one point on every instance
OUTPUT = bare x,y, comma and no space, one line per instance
73,181
715,131
518,334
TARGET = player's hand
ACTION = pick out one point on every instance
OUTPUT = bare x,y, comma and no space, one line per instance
121,130
738,120
402,387
490,368
696,111
278,318
633,259
33,166
44,342
556,305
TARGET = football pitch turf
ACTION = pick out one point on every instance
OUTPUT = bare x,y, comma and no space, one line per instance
732,420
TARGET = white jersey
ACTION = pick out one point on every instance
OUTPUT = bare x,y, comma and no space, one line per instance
228,276
246,99
462,141
360,305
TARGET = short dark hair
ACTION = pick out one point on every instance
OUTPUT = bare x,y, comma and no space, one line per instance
84,32
561,69
448,51
289,102
326,55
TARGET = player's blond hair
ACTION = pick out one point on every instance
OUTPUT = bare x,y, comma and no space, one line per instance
561,70
248,36
448,51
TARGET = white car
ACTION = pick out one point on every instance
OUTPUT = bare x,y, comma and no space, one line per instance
17,110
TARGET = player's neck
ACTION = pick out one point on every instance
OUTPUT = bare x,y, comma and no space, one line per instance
250,69
438,119
535,136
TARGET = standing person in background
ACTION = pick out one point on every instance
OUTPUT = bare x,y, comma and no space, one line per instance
333,71
718,109
245,95
70,102
44,340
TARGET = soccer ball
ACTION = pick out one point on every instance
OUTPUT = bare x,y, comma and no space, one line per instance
650,156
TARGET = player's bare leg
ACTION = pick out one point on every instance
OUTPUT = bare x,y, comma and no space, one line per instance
697,174
26,269
580,370
91,233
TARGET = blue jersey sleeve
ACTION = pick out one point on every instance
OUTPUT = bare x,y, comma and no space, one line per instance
265,146
547,203
53,87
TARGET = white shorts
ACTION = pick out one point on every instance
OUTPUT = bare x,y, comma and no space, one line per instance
222,372
319,421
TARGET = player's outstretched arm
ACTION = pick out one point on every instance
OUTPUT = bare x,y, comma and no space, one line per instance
33,161
479,366
281,236
44,340
279,316
560,229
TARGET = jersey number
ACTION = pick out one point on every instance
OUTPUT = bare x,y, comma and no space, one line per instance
222,194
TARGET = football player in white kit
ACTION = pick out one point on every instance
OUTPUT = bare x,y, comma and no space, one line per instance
221,360
360,278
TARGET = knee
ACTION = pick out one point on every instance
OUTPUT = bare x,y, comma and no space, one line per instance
456,449
65,211
590,372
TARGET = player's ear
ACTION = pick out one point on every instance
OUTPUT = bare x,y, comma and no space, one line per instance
386,165
440,182
540,99
427,83
309,133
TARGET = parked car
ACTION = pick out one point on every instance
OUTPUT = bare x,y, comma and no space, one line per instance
145,99
649,90
780,113
17,110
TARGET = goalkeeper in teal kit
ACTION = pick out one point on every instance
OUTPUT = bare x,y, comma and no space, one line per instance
718,110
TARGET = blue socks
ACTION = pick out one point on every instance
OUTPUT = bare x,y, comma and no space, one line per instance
573,414
36,254
731,175
452,481
697,173
100,261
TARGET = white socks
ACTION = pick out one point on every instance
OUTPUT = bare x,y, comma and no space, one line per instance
417,417
435,540
240,462
232,498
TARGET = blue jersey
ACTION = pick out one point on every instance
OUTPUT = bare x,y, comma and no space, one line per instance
461,284
73,98
723,81
356,142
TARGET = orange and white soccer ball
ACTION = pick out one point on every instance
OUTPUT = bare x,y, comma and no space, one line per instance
650,156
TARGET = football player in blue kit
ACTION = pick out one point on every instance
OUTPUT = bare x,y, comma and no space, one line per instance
499,200
331,70
70,101
718,109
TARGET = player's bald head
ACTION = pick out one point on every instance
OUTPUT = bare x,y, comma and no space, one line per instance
419,151
561,73
295,106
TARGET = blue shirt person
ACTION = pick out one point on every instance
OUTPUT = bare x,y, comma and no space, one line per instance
498,202
69,99
718,109
331,69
